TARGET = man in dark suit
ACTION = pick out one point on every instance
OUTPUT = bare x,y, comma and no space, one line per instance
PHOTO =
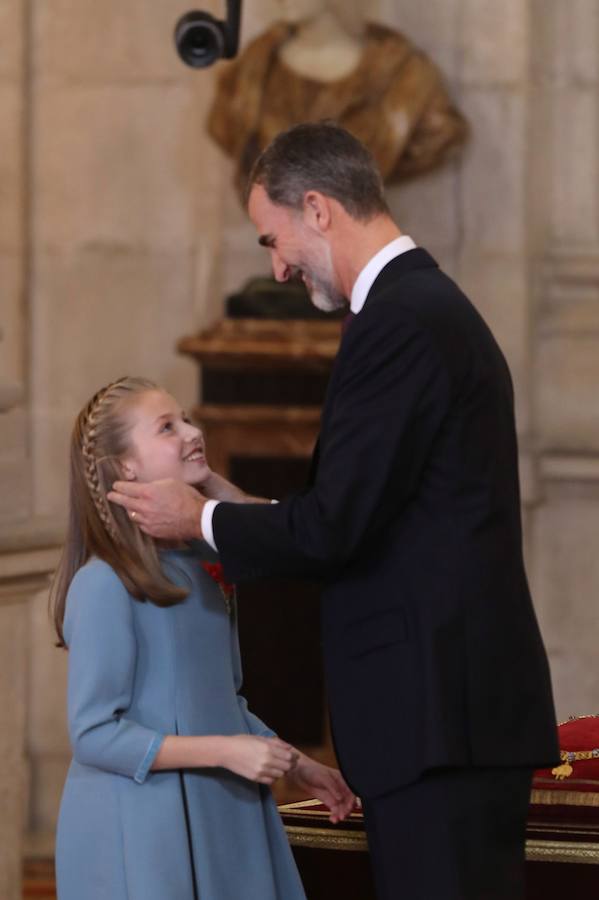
437,677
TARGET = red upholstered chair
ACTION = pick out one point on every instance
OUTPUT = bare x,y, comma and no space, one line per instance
562,847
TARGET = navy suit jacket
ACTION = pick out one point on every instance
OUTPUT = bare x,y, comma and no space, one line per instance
432,652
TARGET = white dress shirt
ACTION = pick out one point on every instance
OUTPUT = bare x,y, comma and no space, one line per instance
374,267
360,291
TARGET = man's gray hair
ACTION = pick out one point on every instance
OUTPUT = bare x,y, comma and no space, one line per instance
323,157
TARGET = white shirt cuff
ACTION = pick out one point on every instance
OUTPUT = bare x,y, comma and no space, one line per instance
206,522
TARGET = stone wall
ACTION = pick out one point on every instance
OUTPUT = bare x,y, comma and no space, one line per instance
13,272
564,363
119,232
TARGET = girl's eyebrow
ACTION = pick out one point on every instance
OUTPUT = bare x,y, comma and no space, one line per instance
169,415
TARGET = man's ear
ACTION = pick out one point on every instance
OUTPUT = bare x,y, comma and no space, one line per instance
317,211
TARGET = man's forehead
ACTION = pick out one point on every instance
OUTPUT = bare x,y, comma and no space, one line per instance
272,221
259,204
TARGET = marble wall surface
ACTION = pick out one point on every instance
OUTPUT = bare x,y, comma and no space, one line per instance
119,232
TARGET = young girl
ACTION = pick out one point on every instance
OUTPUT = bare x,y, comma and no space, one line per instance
167,796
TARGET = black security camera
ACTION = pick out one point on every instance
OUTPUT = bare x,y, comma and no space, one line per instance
201,39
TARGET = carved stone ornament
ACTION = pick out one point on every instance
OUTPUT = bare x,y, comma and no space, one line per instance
393,100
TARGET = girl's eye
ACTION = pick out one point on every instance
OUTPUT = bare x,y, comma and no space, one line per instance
167,426
187,420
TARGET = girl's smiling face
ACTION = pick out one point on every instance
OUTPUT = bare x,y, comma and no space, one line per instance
163,442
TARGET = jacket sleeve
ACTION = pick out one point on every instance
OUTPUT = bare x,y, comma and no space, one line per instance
102,659
254,724
391,396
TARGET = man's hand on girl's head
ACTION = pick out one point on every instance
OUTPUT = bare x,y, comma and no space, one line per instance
167,509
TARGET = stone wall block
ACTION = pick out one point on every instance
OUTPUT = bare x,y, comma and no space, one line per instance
12,790
11,158
431,26
11,317
208,296
498,287
118,313
48,743
243,258
566,380
13,664
427,208
566,564
13,637
494,42
15,487
47,684
87,41
493,175
115,166
48,774
15,478
11,41
576,30
13,431
575,194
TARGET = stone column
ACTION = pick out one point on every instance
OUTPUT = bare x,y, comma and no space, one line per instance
565,143
22,573
14,483
13,671
16,582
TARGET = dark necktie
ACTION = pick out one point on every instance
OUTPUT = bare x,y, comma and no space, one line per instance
348,319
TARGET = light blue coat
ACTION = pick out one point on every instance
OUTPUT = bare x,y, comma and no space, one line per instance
138,672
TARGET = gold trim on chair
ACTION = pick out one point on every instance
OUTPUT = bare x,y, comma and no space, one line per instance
556,848
536,850
564,798
325,838
562,852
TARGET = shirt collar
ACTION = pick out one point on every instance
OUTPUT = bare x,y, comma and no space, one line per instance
374,267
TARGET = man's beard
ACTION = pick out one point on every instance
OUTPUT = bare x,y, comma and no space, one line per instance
325,297
319,283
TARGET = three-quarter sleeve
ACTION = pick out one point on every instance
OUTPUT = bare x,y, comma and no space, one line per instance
102,649
254,724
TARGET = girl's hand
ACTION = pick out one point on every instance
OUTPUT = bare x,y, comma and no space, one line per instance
325,784
261,759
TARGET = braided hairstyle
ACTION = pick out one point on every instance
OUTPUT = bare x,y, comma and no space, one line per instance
96,445
99,440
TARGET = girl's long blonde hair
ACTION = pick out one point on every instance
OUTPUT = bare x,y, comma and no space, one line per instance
95,527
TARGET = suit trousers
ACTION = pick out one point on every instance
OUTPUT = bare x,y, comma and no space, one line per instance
456,834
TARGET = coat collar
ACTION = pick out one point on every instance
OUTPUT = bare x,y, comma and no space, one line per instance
399,267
